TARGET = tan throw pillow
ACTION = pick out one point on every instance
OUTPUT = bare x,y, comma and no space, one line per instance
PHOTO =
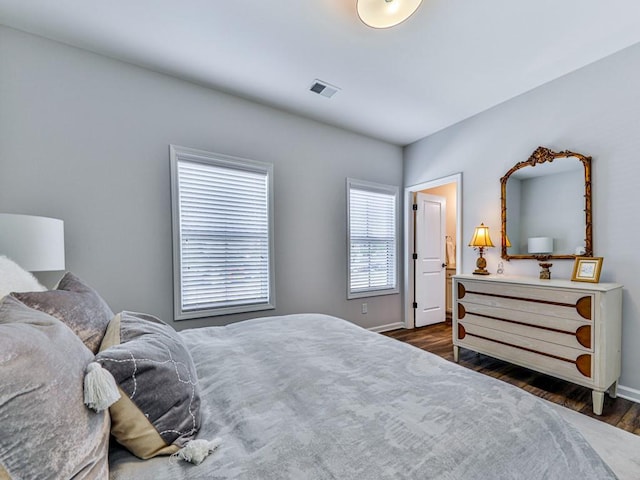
46,431
77,305
3,474
159,408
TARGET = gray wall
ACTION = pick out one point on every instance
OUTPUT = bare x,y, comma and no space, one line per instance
86,139
594,111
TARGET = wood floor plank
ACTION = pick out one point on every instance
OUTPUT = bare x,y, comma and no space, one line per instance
437,339
631,420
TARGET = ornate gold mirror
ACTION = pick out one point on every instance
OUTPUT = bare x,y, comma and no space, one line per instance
546,207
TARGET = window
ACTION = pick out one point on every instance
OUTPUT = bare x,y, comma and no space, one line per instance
371,231
222,234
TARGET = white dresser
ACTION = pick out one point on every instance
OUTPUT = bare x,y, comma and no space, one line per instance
570,330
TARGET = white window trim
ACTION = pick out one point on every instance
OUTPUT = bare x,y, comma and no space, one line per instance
177,154
381,188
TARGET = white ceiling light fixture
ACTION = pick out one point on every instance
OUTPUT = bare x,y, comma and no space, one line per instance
386,13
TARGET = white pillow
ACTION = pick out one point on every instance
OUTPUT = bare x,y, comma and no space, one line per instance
13,278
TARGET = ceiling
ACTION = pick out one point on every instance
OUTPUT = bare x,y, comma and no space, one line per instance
451,60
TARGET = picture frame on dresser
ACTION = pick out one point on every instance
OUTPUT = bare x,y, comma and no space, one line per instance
587,269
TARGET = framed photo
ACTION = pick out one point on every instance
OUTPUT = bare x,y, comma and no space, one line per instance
587,269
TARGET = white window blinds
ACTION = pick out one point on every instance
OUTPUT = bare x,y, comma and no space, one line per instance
372,228
222,246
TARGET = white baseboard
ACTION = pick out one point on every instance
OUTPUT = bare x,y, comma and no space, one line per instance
629,393
388,327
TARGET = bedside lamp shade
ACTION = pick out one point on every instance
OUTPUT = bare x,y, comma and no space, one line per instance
34,243
481,237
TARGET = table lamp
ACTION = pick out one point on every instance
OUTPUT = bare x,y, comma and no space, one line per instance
481,240
541,248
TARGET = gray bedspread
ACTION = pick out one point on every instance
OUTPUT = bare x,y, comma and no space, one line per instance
314,397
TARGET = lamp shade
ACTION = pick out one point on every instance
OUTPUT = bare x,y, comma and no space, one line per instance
507,242
540,245
34,243
481,237
386,13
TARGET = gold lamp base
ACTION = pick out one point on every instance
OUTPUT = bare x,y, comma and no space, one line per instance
481,265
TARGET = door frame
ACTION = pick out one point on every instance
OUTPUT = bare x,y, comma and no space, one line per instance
409,229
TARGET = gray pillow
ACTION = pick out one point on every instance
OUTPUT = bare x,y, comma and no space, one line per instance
46,431
159,408
77,305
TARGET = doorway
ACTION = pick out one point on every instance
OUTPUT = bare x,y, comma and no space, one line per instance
433,235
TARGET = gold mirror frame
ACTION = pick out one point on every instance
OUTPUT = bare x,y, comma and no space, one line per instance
542,155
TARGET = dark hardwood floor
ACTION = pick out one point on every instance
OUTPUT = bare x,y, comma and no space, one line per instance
436,339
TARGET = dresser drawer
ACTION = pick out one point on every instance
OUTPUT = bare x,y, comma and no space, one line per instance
564,368
580,339
573,305
543,320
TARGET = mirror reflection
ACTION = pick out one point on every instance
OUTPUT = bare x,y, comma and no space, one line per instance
546,206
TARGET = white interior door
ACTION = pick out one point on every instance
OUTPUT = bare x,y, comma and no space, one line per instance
430,266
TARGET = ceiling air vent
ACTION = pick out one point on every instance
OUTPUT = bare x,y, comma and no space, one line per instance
323,88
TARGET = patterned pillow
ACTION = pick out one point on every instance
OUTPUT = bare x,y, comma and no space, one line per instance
77,305
46,430
159,408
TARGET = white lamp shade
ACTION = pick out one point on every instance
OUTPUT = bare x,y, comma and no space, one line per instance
540,245
386,13
34,243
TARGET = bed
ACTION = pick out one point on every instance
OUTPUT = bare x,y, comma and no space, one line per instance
316,397
305,396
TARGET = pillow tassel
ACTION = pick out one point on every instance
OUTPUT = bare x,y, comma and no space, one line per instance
100,389
197,450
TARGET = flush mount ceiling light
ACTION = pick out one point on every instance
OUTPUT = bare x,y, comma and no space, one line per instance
386,13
